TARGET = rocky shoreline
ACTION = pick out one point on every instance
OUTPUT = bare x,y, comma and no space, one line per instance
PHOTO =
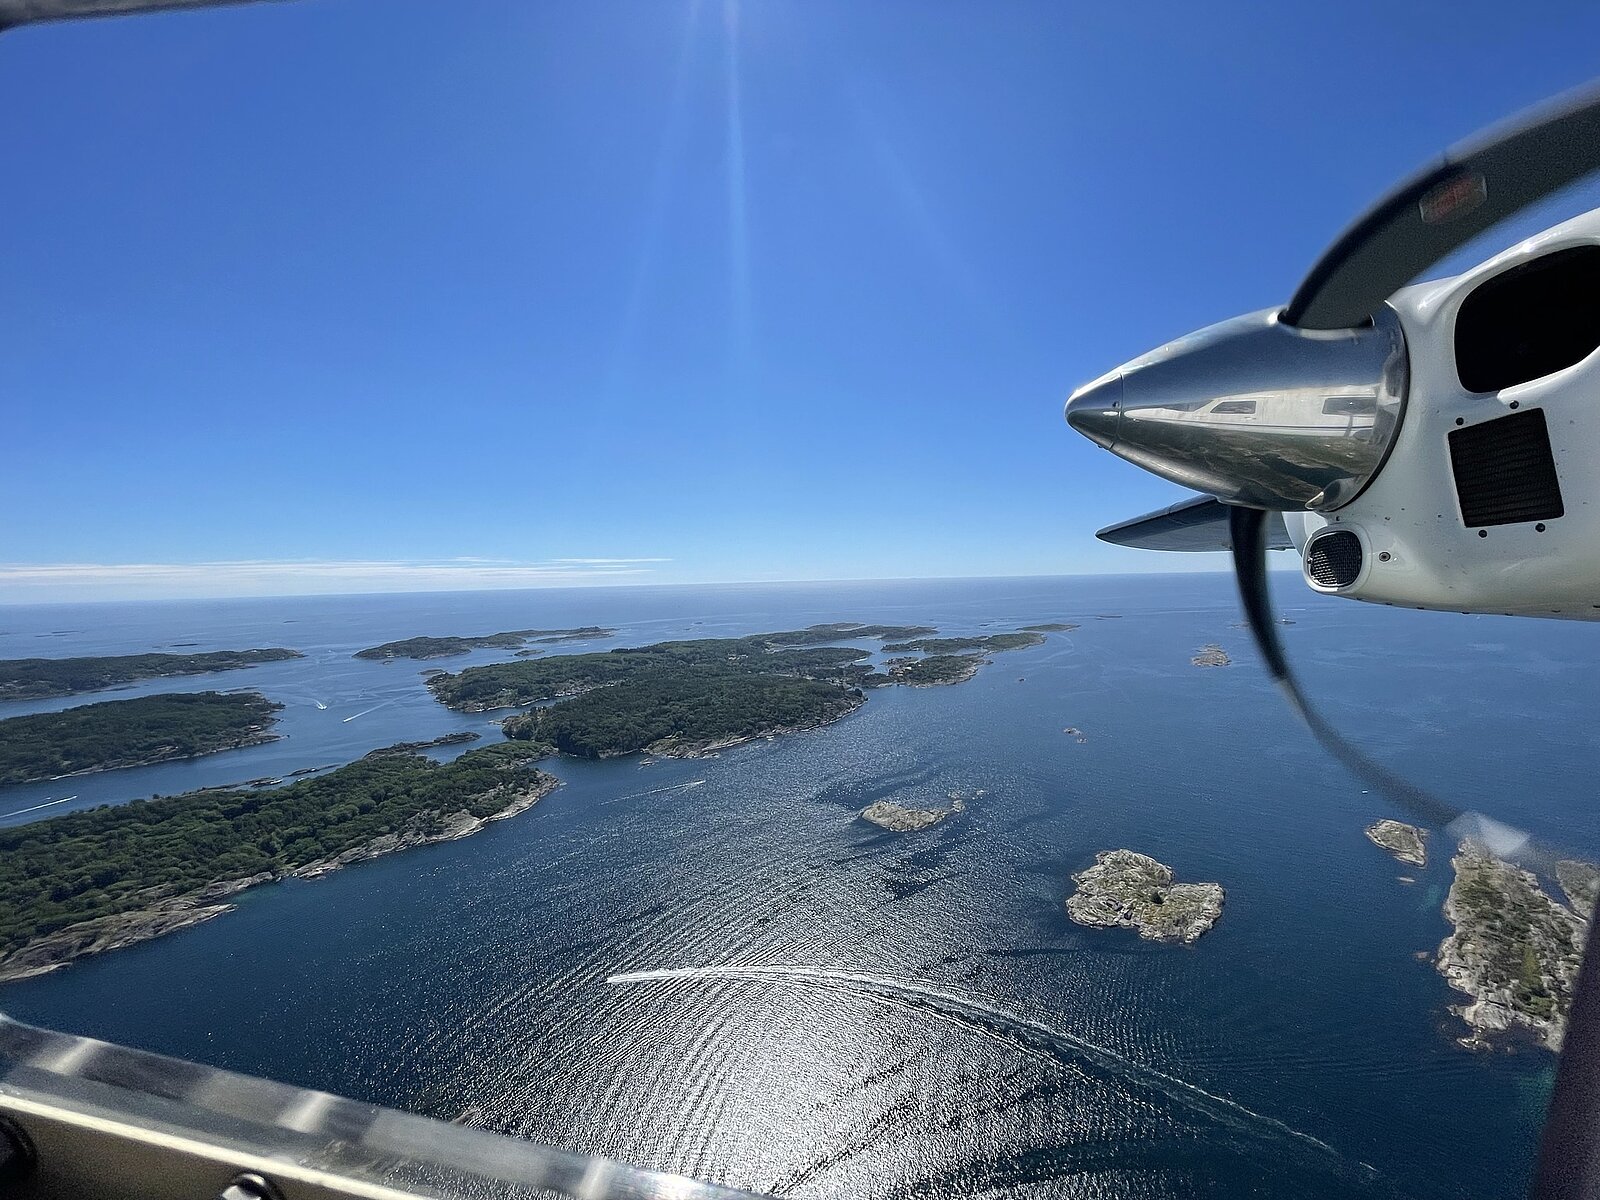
1515,951
898,818
100,934
166,755
675,748
1405,842
1125,888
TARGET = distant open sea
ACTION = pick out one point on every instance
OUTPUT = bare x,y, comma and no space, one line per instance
822,1009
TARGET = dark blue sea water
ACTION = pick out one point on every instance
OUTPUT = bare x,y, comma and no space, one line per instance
821,1009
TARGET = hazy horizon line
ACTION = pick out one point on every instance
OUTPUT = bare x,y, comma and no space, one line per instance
593,582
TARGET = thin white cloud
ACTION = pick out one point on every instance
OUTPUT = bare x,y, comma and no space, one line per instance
22,583
601,562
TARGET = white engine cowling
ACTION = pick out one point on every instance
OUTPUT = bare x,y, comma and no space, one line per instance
1489,500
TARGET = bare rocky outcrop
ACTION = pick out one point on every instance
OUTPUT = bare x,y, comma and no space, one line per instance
898,818
1581,882
1405,842
1134,890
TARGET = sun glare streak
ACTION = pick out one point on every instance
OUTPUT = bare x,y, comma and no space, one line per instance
738,225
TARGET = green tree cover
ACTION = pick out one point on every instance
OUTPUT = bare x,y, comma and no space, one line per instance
443,647
42,678
1521,934
921,672
123,733
687,711
840,631
517,684
991,643
687,694
119,858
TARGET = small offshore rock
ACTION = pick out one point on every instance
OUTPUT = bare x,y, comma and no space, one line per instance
1134,890
897,818
1403,841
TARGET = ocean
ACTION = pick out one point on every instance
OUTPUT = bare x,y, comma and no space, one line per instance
740,981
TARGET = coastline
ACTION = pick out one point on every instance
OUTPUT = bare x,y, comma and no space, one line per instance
101,934
260,739
667,748
1513,950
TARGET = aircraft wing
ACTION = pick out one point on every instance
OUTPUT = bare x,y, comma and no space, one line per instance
27,12
1191,525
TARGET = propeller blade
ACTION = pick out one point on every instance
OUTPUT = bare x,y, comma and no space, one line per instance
1248,530
1474,186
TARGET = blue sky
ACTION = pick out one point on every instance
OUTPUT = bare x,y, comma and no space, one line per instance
335,295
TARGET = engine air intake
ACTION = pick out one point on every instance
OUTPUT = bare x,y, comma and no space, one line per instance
1333,560
1505,472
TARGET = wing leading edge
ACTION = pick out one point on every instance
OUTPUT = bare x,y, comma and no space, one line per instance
1189,526
29,12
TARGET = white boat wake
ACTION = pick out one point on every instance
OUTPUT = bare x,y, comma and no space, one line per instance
671,787
47,804
365,711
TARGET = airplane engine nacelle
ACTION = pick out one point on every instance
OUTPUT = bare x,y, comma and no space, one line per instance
1489,500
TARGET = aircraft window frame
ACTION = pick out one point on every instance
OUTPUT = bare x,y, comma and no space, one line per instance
1529,321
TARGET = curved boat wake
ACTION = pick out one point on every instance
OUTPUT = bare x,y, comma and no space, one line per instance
1034,1038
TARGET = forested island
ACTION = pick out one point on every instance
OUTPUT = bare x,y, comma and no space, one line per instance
115,875
931,671
1515,950
983,643
132,733
513,639
693,696
91,881
44,678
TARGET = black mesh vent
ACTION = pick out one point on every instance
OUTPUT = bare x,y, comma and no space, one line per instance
1505,472
1334,559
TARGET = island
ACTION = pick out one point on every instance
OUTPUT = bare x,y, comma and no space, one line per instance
1514,951
115,875
1051,627
897,818
1581,882
458,738
1212,655
46,678
991,643
446,647
843,631
1134,890
696,696
1403,841
935,670
113,734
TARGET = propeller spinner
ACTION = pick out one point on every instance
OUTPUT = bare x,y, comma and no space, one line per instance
1325,379
1296,410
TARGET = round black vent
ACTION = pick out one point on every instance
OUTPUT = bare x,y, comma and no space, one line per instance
1334,559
